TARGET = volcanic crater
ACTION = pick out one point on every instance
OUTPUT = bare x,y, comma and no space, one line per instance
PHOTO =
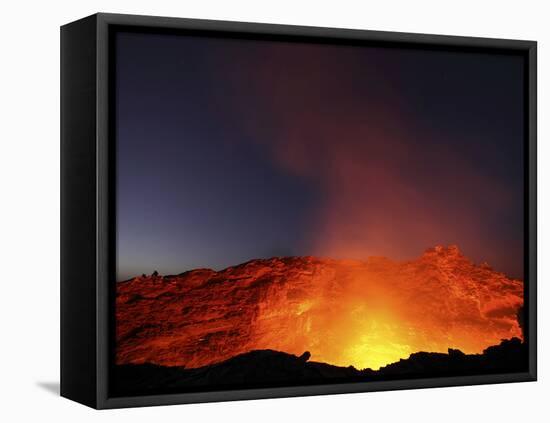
361,313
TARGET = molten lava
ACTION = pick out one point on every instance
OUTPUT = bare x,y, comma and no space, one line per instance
361,313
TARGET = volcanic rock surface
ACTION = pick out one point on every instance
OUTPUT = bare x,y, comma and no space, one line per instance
273,368
362,313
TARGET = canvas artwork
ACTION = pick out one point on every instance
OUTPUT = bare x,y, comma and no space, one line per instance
294,213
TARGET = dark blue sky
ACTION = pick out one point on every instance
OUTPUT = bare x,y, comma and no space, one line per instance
229,150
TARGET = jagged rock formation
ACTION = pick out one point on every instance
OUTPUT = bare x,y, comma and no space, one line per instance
362,313
272,368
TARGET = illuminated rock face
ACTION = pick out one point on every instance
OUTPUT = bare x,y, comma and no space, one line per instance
361,313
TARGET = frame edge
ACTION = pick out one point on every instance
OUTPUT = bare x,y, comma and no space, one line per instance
78,240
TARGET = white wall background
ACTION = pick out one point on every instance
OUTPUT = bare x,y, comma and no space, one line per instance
29,211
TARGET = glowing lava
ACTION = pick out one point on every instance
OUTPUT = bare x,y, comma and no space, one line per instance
361,313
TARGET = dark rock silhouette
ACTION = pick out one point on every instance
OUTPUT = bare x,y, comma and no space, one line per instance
263,368
305,356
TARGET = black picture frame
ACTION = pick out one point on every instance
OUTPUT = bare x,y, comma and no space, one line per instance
87,194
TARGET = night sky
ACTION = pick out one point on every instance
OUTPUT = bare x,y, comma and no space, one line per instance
230,150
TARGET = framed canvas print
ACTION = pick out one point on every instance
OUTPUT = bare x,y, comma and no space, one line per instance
255,211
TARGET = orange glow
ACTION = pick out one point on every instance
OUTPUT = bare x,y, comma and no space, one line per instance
361,313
